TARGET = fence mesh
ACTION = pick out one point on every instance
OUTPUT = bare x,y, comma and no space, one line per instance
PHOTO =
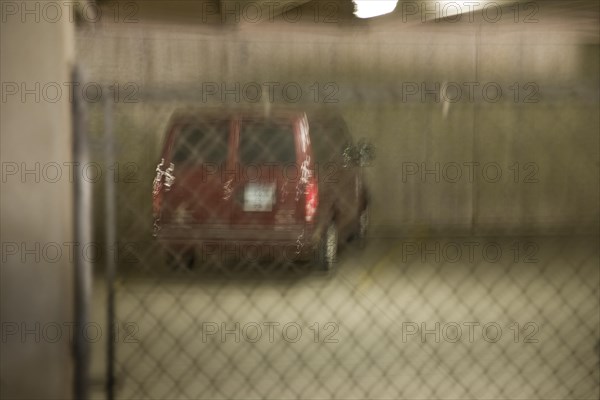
406,316
449,296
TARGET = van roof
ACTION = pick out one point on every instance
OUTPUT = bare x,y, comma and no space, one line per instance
222,112
227,112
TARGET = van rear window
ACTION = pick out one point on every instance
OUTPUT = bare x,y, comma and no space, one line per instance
267,141
328,138
198,143
324,145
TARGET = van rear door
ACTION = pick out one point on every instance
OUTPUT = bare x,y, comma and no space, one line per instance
268,170
199,151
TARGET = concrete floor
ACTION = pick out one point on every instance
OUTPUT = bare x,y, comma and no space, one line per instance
377,334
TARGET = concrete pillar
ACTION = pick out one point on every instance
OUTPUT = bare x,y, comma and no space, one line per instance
36,213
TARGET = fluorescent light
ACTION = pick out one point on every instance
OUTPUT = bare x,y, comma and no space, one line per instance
373,8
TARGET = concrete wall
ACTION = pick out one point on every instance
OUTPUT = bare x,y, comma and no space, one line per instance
553,139
36,292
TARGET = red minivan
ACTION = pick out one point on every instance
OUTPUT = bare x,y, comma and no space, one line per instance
259,183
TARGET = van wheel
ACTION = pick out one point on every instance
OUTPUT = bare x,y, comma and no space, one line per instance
328,248
180,259
363,225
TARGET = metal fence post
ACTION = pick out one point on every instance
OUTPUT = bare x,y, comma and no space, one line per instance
110,240
82,233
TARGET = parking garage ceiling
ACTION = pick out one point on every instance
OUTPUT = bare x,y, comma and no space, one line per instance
581,17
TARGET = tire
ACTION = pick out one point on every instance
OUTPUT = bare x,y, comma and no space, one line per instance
328,247
363,226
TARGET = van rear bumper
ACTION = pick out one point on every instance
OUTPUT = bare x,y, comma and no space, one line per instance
303,234
291,242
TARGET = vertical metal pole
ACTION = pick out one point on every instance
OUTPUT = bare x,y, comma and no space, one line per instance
110,241
82,234
474,150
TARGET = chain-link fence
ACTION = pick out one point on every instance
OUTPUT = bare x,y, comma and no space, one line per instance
417,315
368,239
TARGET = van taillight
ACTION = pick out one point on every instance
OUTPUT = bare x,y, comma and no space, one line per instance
312,200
